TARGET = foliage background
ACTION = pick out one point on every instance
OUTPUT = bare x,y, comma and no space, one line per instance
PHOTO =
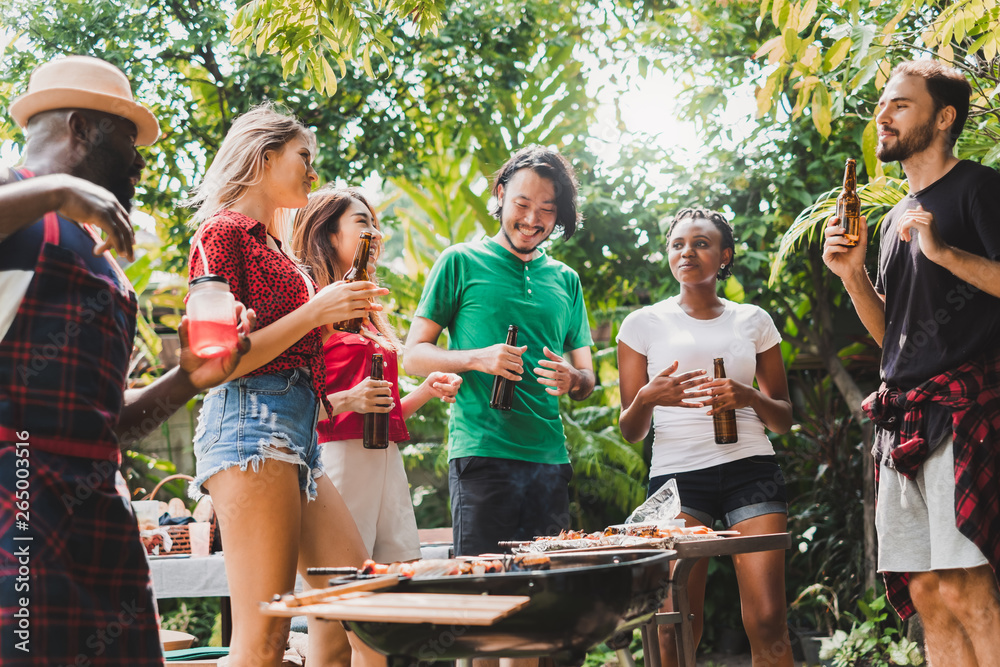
421,100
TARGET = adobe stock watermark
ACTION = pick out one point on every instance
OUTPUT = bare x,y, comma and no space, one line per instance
22,544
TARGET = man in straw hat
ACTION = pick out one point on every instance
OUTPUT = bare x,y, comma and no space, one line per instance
74,582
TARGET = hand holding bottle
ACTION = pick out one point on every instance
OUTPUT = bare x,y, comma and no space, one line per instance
341,301
370,395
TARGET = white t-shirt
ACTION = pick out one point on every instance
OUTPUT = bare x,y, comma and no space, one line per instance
683,438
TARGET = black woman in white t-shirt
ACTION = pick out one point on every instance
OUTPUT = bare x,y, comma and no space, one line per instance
665,355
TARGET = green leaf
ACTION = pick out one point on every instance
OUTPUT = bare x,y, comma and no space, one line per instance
836,54
733,290
821,114
869,142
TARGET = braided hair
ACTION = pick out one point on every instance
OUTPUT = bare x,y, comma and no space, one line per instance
724,226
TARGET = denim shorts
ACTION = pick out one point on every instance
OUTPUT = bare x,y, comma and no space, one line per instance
734,491
253,418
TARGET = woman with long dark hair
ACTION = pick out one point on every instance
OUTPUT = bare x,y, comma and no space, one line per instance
372,481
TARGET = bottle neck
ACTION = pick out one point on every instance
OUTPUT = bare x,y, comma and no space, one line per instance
361,254
850,178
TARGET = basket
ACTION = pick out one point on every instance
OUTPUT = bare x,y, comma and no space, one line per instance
180,536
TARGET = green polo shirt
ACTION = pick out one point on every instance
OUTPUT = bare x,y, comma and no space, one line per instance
476,290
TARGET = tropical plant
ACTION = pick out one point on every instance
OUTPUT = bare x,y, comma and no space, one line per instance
873,640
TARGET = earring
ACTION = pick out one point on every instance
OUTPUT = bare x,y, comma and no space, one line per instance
723,266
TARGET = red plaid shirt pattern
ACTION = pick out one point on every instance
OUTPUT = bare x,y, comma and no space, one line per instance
972,393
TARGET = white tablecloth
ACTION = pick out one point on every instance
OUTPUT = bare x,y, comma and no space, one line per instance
189,577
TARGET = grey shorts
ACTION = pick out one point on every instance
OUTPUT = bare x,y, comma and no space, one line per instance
915,519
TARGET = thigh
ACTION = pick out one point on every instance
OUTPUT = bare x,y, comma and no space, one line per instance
761,574
484,509
545,501
259,514
329,535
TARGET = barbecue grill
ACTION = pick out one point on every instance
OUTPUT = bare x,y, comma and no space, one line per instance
582,600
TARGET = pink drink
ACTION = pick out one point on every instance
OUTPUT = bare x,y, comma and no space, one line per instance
211,339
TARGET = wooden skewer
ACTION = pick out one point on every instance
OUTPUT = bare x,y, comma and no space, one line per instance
325,594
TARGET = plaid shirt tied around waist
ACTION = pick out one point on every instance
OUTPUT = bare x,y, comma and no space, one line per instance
972,393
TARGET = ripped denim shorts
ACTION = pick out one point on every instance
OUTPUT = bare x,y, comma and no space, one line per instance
253,418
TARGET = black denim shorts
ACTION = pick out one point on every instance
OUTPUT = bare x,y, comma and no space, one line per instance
493,500
734,491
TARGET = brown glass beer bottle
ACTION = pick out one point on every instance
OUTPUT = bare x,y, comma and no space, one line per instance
725,421
503,389
849,205
376,435
358,271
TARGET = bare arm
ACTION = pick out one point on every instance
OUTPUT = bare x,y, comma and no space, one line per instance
145,409
639,395
334,303
849,265
24,202
437,385
422,356
770,401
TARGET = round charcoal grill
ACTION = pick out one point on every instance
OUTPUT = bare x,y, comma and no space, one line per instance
581,601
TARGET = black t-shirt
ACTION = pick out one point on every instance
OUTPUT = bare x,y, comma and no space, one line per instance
933,321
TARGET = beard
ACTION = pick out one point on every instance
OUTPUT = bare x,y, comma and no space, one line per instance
524,250
907,145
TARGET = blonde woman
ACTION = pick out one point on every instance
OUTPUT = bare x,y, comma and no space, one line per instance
256,439
372,481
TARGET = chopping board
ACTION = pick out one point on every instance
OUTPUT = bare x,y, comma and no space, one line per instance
407,608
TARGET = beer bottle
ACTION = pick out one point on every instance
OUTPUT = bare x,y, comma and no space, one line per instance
503,389
849,205
725,421
358,271
376,435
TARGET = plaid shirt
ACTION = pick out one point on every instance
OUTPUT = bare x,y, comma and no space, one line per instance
65,359
972,393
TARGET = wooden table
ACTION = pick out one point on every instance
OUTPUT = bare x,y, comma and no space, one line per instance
688,554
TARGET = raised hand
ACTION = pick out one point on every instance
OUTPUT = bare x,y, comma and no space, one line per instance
669,390
206,373
501,359
557,374
843,259
86,203
370,396
443,385
922,222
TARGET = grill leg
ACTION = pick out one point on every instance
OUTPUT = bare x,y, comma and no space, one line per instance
625,657
679,594
650,644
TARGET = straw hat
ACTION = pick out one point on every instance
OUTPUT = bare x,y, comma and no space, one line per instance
82,82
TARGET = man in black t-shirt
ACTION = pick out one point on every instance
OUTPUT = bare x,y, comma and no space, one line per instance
935,311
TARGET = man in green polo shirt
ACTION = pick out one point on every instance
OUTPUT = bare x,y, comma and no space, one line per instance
509,471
